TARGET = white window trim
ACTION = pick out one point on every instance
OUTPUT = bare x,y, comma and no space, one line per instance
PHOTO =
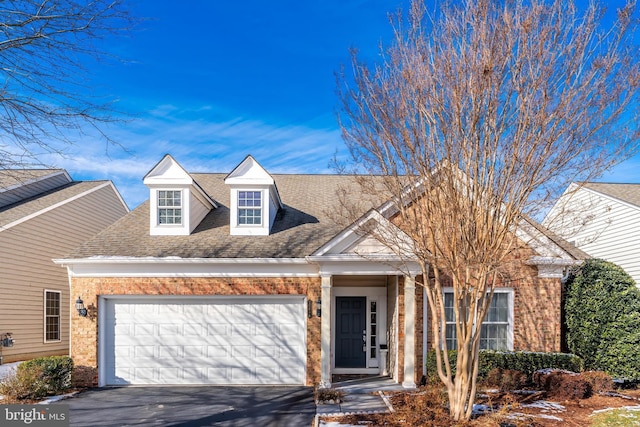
497,290
44,312
238,207
181,207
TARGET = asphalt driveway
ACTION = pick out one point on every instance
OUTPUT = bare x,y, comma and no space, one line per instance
193,406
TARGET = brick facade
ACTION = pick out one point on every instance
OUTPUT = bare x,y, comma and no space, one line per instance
84,330
536,311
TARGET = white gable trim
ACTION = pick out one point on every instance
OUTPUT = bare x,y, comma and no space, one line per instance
57,205
249,170
167,172
157,177
351,235
251,173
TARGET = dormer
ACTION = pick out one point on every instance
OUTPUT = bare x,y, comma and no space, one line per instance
254,199
177,203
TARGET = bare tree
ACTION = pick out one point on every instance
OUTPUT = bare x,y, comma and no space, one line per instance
488,109
45,94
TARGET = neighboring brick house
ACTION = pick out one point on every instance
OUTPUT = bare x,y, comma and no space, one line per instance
245,279
44,214
602,219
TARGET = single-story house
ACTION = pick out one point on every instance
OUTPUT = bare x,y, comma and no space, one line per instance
245,278
603,220
44,214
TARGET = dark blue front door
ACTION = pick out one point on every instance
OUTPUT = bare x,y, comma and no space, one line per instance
351,317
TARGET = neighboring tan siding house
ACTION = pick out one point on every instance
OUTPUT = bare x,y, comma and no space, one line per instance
245,278
603,220
44,214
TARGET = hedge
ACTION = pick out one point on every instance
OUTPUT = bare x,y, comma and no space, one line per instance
55,373
602,309
525,361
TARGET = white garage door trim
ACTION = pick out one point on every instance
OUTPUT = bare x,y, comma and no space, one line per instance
199,330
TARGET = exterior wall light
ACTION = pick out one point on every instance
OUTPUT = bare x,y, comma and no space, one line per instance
319,307
7,341
82,311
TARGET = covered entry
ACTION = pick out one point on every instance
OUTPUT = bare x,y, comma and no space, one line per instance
359,322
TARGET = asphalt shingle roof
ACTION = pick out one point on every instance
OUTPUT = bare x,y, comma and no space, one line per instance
10,177
629,193
35,204
301,227
306,222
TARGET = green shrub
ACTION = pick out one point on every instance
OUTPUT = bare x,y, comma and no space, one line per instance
602,309
524,361
40,377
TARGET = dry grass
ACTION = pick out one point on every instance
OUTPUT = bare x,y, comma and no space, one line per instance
427,407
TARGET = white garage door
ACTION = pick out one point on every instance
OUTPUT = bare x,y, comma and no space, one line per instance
244,340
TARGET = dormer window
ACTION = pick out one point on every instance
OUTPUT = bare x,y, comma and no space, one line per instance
249,208
177,203
169,207
254,198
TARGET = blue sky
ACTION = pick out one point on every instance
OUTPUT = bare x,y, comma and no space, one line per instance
212,81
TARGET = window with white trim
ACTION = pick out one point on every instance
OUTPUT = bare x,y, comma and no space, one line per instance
496,329
249,208
170,207
52,310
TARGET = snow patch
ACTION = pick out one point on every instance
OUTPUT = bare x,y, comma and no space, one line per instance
546,406
521,416
624,408
479,409
56,398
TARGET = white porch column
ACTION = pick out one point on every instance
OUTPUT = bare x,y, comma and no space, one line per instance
325,333
409,332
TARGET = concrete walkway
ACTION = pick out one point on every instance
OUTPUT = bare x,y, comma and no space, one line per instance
362,396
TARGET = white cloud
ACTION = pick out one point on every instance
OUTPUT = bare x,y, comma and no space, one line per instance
202,140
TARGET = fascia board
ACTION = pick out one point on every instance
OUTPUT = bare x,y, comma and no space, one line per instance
363,266
257,174
167,163
347,235
115,190
191,267
538,240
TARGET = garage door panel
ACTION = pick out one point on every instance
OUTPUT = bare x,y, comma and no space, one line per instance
217,351
170,352
169,329
212,341
218,329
